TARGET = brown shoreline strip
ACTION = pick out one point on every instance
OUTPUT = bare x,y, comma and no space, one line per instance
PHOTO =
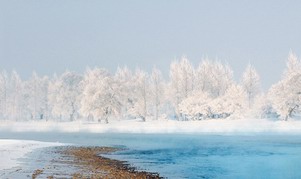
95,166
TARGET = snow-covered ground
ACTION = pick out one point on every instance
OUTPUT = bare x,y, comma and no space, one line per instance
11,151
160,126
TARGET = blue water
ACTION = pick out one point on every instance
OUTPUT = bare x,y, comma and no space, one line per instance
195,155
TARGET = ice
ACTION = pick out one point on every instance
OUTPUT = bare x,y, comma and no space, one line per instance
11,151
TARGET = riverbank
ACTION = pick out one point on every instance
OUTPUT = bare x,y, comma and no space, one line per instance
90,164
35,159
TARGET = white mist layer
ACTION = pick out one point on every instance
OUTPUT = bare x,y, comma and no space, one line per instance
13,150
160,126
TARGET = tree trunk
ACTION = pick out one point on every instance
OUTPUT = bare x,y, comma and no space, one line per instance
143,118
290,112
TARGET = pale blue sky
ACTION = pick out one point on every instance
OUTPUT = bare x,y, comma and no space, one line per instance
53,35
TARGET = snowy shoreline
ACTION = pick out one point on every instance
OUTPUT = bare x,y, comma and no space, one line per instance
11,151
161,126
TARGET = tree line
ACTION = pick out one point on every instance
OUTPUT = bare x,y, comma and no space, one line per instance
207,91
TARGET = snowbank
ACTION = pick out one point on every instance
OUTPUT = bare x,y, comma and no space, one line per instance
160,126
12,150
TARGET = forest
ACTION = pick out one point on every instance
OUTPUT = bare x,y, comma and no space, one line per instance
207,91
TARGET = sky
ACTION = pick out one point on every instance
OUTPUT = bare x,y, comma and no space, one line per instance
52,36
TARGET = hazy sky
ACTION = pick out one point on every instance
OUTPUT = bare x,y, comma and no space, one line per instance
54,35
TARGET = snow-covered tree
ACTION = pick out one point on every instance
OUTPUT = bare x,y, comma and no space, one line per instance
181,82
293,66
174,88
200,105
101,95
285,95
222,79
124,78
35,97
14,96
141,98
3,94
262,107
208,91
157,91
232,103
213,78
186,77
64,95
251,84
196,106
202,78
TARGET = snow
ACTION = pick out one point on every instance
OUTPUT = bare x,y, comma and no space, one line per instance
13,150
224,126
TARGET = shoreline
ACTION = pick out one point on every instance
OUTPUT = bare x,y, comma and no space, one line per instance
225,126
90,164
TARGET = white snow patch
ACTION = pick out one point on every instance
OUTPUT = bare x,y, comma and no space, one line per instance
13,150
160,126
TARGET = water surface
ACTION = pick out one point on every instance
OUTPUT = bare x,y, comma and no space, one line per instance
194,155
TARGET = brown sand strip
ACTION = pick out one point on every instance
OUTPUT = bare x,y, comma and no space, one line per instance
36,173
95,166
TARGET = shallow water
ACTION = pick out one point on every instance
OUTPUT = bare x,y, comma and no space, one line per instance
195,155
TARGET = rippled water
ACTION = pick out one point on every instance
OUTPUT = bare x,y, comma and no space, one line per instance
195,156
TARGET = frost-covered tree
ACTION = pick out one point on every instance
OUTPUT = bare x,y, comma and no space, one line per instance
293,66
181,82
200,105
232,103
156,91
3,94
262,107
208,91
141,98
213,78
124,78
222,79
186,71
64,95
251,84
285,95
203,79
14,96
101,95
174,88
196,106
35,96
